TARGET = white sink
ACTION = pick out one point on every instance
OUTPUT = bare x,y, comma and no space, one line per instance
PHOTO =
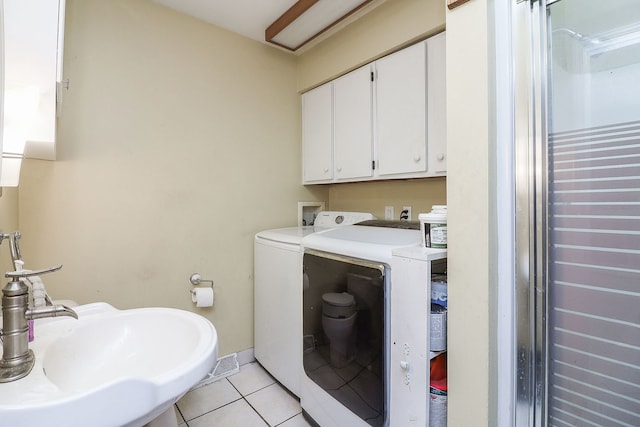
110,367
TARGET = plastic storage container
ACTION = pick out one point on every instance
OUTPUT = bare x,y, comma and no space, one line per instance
433,226
438,328
439,289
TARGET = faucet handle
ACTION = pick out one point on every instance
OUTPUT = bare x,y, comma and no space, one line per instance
29,273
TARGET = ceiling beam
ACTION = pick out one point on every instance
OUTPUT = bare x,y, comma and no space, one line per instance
293,13
321,15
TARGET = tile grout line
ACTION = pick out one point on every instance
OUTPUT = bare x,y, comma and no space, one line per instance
186,423
290,418
213,410
255,410
244,397
258,412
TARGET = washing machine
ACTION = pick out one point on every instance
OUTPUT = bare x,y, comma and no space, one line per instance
278,282
346,322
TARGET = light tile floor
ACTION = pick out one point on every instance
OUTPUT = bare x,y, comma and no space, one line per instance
249,398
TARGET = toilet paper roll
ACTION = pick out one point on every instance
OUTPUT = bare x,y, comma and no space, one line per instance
203,297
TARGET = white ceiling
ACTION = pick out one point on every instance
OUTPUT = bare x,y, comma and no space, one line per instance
251,18
246,17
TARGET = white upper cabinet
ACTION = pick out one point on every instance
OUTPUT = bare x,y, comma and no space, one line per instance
386,120
317,135
33,64
401,120
352,125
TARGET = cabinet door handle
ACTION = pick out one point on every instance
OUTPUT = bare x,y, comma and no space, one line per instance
417,158
326,170
404,365
440,157
339,168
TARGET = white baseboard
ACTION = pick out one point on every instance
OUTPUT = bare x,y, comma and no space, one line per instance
246,356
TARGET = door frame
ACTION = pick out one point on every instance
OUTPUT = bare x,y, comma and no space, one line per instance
519,48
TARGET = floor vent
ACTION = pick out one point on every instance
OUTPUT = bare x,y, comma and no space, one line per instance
225,366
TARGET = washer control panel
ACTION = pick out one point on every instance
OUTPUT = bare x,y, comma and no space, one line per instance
332,219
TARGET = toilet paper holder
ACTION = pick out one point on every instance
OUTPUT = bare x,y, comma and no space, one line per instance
197,280
200,295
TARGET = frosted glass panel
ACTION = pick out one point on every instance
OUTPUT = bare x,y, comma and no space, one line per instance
594,214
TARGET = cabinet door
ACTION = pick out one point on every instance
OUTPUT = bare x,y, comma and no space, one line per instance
437,105
352,118
33,33
401,120
317,135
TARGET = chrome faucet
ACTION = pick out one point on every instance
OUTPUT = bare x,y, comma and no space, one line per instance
17,359
14,247
16,256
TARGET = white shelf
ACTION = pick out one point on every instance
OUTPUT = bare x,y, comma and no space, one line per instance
420,253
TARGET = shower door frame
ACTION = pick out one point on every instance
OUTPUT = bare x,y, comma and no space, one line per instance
531,86
529,32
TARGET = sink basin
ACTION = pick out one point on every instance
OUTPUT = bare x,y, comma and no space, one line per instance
110,367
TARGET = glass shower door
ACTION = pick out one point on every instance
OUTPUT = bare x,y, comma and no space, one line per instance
592,238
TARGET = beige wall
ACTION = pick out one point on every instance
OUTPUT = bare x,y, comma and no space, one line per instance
177,142
372,197
8,224
469,216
